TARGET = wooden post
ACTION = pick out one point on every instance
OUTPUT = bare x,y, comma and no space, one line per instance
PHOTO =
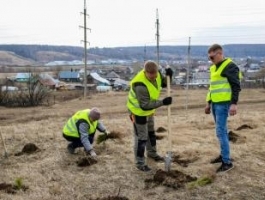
3,144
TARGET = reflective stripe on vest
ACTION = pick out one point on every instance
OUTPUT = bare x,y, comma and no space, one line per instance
220,89
70,128
154,93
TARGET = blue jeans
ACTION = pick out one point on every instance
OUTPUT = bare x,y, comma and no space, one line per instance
220,114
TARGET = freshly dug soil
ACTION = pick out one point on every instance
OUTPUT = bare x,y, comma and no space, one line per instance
28,149
244,126
86,161
111,198
233,136
174,179
11,189
160,137
161,130
8,188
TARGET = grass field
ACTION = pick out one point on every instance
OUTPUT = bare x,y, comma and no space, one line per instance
51,173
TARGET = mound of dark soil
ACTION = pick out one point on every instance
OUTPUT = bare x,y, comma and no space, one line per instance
86,161
28,149
161,130
8,188
233,136
111,198
11,189
160,137
174,179
244,126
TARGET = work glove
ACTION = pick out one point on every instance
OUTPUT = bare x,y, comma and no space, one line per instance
169,72
106,132
167,101
92,153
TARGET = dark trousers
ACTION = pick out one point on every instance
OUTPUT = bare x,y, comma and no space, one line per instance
144,138
76,142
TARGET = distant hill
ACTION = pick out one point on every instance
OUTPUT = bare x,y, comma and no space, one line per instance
7,58
41,54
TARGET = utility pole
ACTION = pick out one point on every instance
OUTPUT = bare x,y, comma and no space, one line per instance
187,77
144,53
157,37
85,49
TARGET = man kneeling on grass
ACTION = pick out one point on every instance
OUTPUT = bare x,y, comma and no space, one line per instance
80,130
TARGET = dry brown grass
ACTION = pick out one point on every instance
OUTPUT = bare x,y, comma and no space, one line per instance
51,173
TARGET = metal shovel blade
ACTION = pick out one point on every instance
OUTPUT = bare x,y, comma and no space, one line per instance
168,159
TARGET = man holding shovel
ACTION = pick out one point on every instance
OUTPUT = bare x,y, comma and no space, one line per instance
142,101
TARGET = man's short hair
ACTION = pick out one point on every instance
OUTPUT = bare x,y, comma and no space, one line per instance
214,48
150,66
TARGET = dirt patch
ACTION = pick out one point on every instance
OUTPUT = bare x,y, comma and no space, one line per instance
28,149
183,160
174,179
160,137
244,126
112,135
111,198
233,137
8,188
11,189
161,130
86,161
3,118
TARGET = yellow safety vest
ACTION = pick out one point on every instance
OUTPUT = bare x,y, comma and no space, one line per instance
70,128
132,102
220,89
240,75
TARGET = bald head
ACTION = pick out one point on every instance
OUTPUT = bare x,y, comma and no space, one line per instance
94,114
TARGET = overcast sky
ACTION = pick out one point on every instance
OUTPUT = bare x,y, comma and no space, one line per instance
132,22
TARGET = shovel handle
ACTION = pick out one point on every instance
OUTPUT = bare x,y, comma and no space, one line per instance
169,116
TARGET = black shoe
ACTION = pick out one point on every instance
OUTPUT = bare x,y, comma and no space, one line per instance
70,148
225,167
219,160
144,168
216,160
157,158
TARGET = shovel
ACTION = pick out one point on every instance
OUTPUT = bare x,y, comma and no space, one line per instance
168,157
